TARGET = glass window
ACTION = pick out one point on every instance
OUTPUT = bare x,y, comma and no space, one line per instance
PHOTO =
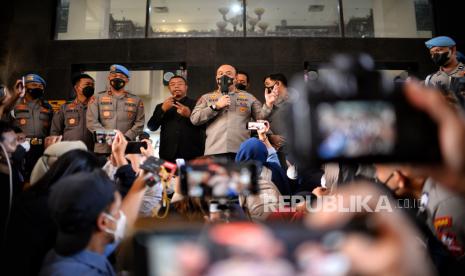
387,18
98,19
200,18
314,18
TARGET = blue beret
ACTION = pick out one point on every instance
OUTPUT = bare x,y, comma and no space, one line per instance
116,68
440,41
34,78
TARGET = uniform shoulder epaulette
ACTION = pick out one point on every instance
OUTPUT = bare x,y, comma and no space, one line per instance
131,94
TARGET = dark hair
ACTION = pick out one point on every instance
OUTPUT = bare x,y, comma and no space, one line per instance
4,127
178,77
76,78
243,73
72,162
277,77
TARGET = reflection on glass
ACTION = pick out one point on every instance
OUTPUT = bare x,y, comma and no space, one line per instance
201,18
97,19
387,18
314,18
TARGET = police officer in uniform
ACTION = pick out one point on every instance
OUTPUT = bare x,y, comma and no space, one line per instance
33,115
444,54
226,112
116,108
70,120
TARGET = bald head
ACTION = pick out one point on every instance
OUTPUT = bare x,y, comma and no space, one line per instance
226,69
229,71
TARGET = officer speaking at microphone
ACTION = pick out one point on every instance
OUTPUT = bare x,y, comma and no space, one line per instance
226,112
70,120
33,115
116,108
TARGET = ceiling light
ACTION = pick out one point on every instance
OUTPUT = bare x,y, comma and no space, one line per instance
236,8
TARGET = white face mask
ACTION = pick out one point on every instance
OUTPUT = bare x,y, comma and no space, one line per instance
26,145
120,230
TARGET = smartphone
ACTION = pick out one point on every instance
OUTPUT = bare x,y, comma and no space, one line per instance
219,180
372,130
255,125
134,147
104,136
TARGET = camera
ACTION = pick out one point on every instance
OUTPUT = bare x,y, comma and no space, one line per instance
352,113
104,136
215,180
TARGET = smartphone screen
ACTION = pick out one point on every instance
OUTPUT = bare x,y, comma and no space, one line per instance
255,125
351,129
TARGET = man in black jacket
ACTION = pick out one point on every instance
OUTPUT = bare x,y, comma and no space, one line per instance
179,138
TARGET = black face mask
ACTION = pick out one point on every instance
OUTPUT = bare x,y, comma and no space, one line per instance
36,92
440,59
225,82
88,91
117,83
241,86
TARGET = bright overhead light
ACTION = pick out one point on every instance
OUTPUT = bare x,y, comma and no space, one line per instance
236,8
163,20
179,20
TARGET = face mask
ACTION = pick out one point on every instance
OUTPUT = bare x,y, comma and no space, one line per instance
88,91
118,233
36,93
441,59
225,82
117,83
26,145
241,86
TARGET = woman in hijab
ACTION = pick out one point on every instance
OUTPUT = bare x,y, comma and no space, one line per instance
255,150
272,182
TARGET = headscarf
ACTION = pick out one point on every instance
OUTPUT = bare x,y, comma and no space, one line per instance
51,154
254,150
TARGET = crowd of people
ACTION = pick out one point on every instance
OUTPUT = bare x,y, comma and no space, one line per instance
69,201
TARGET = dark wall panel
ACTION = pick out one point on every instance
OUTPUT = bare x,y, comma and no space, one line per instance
30,47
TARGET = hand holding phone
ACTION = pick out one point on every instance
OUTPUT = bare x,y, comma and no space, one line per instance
259,125
135,147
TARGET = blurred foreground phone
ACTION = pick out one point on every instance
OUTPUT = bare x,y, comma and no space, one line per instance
219,180
354,114
134,147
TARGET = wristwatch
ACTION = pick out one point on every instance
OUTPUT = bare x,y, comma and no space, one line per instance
213,107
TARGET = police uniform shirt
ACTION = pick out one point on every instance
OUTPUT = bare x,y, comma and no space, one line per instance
226,128
107,111
442,79
70,121
445,216
33,117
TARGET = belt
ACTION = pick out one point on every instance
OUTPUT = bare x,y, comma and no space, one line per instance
34,141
